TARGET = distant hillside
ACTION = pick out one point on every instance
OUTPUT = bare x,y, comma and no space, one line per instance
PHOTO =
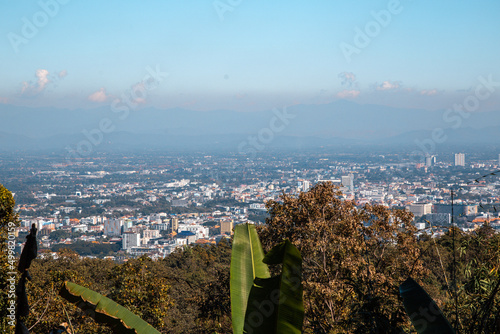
339,123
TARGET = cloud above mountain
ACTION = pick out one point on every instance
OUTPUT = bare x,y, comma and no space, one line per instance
35,87
389,85
99,96
44,79
348,94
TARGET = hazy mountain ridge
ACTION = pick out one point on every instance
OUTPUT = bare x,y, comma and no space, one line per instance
300,126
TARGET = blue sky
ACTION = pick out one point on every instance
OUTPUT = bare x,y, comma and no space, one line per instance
248,55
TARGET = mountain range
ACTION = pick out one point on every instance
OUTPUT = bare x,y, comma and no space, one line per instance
299,126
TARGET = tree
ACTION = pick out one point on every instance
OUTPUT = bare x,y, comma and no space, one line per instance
57,235
478,282
354,259
199,280
48,309
8,221
476,267
135,286
104,310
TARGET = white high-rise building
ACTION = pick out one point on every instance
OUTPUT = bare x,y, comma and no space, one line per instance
430,160
199,230
148,235
304,185
130,240
420,209
348,182
459,159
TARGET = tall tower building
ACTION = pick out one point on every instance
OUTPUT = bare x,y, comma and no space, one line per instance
226,226
304,185
348,182
174,225
130,240
459,159
428,160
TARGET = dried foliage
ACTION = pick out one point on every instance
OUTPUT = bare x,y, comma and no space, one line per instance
353,259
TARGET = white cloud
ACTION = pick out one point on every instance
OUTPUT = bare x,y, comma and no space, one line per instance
348,78
33,88
42,78
99,96
348,94
62,74
388,85
429,92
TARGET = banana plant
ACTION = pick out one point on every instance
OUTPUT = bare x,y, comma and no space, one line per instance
261,303
104,310
423,311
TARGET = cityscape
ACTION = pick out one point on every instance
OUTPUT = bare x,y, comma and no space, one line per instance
244,167
117,207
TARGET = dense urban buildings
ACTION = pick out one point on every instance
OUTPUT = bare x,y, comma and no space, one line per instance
119,207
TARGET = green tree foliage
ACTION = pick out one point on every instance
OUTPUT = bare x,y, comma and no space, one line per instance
7,204
477,267
88,248
199,277
8,220
104,310
137,286
59,234
187,292
48,309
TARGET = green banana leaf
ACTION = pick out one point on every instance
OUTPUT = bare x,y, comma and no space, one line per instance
275,304
246,264
104,310
425,315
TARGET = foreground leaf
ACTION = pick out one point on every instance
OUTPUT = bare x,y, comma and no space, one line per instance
425,315
246,264
275,304
104,310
